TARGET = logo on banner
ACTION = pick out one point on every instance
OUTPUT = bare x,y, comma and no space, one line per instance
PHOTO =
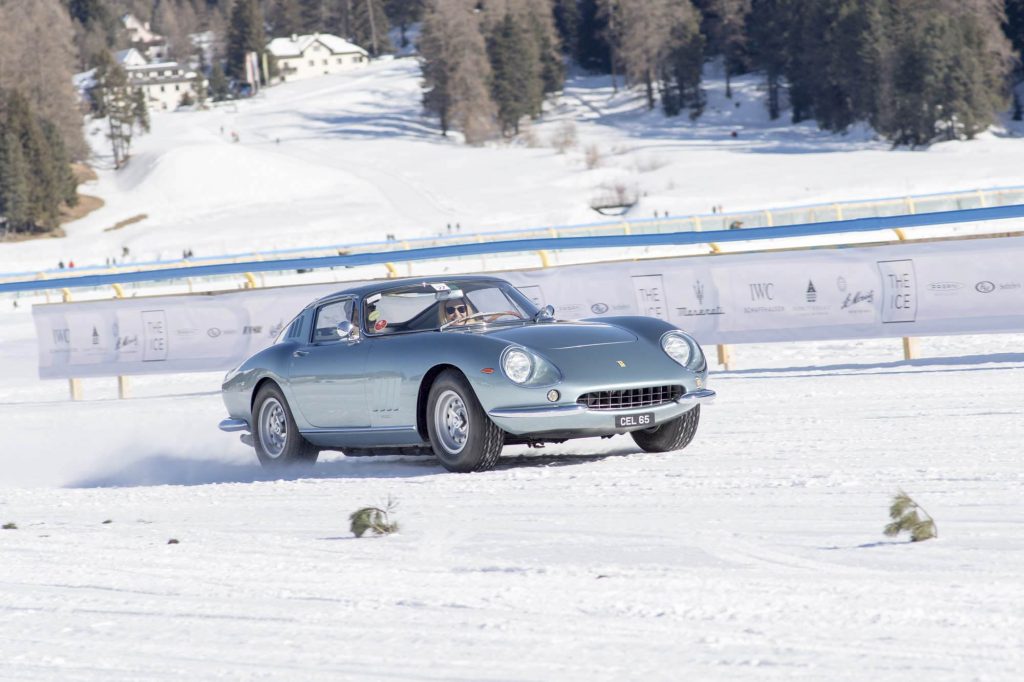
154,335
276,329
95,336
213,332
131,341
250,330
62,337
899,291
858,297
812,293
649,291
699,293
985,287
841,283
599,308
762,291
945,288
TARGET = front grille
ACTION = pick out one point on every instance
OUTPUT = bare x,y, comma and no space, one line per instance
630,397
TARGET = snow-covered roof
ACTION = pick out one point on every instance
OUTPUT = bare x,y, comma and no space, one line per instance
296,45
130,57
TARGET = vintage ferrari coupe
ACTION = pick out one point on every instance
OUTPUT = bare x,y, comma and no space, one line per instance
458,367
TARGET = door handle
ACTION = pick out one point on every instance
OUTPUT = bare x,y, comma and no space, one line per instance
300,353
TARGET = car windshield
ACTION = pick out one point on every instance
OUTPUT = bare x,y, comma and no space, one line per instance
444,305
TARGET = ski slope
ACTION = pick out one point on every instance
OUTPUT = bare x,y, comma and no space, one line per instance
351,158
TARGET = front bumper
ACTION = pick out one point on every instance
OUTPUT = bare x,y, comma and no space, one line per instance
575,418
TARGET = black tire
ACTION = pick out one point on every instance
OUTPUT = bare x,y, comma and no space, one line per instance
482,439
672,435
292,448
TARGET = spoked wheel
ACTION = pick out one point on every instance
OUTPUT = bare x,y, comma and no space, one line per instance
672,435
276,438
463,437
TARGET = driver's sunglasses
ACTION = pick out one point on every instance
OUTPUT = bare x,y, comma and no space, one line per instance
452,308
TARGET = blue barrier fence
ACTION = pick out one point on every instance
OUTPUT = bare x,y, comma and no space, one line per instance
526,245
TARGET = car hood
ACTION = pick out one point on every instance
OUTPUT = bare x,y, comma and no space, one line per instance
552,337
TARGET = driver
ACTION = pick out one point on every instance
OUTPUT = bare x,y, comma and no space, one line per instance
455,310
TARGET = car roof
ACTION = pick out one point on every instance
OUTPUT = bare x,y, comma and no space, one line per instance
388,284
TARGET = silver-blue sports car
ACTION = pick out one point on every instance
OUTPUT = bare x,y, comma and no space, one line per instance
458,367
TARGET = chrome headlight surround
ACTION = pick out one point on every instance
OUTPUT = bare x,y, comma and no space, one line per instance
684,349
525,368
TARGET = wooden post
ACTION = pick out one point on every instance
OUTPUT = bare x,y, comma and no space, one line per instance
123,388
75,388
723,356
909,348
122,382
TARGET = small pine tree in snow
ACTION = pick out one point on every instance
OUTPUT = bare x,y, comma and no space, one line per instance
906,516
373,519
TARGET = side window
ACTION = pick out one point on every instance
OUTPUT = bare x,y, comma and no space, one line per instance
295,329
327,319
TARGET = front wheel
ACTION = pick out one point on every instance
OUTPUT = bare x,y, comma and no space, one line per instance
463,437
672,435
276,438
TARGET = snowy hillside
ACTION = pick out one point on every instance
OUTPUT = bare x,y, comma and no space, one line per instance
351,157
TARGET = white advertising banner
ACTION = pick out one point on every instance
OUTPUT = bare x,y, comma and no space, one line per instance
955,287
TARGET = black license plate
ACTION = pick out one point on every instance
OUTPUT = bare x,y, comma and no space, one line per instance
627,421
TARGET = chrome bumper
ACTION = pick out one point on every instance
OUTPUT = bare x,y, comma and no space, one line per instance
687,400
231,425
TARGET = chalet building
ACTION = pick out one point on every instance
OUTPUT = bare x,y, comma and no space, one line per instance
317,54
164,83
150,44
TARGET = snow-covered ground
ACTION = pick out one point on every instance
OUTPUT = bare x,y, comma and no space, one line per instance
351,157
757,553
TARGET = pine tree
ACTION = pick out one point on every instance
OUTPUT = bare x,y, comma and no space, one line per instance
593,51
723,25
313,15
516,85
199,86
403,13
284,18
66,185
680,74
245,35
15,215
567,21
456,70
945,72
119,103
370,26
140,110
767,32
650,31
220,89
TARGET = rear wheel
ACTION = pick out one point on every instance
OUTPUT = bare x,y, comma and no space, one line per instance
463,437
276,438
672,435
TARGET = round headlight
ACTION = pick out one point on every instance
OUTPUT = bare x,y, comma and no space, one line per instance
518,365
677,348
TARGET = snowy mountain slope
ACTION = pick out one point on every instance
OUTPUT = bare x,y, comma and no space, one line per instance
351,157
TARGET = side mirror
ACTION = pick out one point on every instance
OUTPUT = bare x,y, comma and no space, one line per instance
546,313
347,330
